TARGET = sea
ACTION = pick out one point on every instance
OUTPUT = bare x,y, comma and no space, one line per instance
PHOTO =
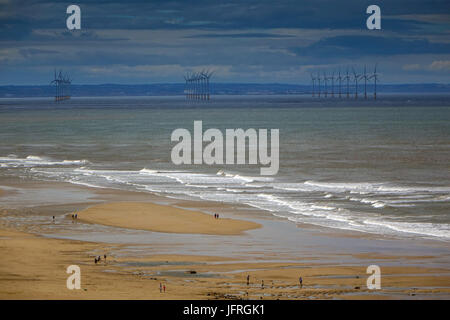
373,166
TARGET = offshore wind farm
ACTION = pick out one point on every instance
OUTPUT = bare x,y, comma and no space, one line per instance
317,90
62,84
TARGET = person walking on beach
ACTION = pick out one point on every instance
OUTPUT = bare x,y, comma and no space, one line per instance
300,280
248,279
164,288
262,284
160,287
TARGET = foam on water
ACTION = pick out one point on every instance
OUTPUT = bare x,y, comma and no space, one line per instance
329,204
380,170
31,161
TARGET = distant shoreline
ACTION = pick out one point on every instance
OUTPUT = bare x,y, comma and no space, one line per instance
217,89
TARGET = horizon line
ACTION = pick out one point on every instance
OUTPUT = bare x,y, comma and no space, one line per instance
227,83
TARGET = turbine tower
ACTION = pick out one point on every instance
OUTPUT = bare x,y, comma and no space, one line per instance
197,86
347,77
186,85
313,80
55,82
340,83
318,80
206,75
356,78
325,79
209,75
365,77
332,84
375,78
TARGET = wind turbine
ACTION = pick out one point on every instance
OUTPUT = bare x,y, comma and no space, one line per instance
356,78
375,77
325,79
347,77
208,76
332,85
70,86
191,85
313,80
203,84
186,85
64,87
200,86
318,79
340,82
68,82
195,80
56,85
365,77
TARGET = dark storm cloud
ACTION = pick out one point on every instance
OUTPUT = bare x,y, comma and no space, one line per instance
14,29
207,14
239,35
255,40
262,14
356,46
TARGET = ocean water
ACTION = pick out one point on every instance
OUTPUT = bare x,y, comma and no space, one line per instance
380,168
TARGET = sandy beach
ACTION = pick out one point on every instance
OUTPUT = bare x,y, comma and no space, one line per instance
35,255
159,218
33,267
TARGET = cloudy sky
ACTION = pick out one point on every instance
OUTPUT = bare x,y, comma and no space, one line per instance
242,41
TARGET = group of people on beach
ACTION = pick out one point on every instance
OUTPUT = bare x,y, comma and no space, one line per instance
216,216
162,288
300,280
97,259
74,217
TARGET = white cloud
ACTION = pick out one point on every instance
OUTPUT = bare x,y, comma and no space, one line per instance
440,65
437,65
152,72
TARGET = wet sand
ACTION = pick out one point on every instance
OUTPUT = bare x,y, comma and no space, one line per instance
161,218
33,267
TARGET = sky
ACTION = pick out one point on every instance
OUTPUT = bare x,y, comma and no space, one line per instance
143,42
